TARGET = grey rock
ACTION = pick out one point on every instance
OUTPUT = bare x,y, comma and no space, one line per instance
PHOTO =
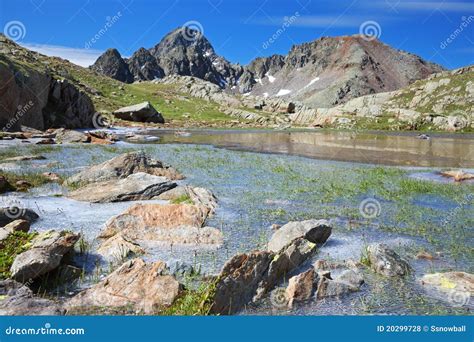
137,186
316,231
71,136
246,278
18,300
385,261
15,226
144,66
123,166
45,254
142,112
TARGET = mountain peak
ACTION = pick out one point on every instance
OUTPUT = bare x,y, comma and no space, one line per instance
111,64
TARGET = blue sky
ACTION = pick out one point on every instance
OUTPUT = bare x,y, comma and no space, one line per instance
439,31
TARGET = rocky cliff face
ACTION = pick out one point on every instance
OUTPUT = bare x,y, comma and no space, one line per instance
111,64
331,71
144,66
182,52
35,97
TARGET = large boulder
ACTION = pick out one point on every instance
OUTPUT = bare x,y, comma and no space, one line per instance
171,223
13,213
17,299
123,166
246,278
385,261
137,186
144,287
142,112
45,255
316,231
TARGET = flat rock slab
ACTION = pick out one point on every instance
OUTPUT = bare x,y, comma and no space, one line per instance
454,287
119,247
170,223
316,231
123,166
137,186
144,287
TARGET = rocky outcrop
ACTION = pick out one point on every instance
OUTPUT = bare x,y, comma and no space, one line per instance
122,167
111,64
144,66
36,98
315,231
45,254
246,278
17,299
137,186
142,112
385,261
144,287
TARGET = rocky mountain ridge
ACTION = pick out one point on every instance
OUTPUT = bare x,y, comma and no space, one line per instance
324,73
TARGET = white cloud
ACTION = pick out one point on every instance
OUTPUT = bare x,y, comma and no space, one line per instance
82,57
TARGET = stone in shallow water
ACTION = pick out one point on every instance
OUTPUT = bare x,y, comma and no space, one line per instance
385,261
137,186
123,166
118,248
316,231
455,287
12,213
18,300
144,287
301,287
45,254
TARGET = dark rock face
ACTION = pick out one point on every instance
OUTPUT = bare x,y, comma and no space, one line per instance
13,213
36,99
111,64
144,66
189,53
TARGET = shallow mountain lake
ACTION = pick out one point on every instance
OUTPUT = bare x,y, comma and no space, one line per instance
413,212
